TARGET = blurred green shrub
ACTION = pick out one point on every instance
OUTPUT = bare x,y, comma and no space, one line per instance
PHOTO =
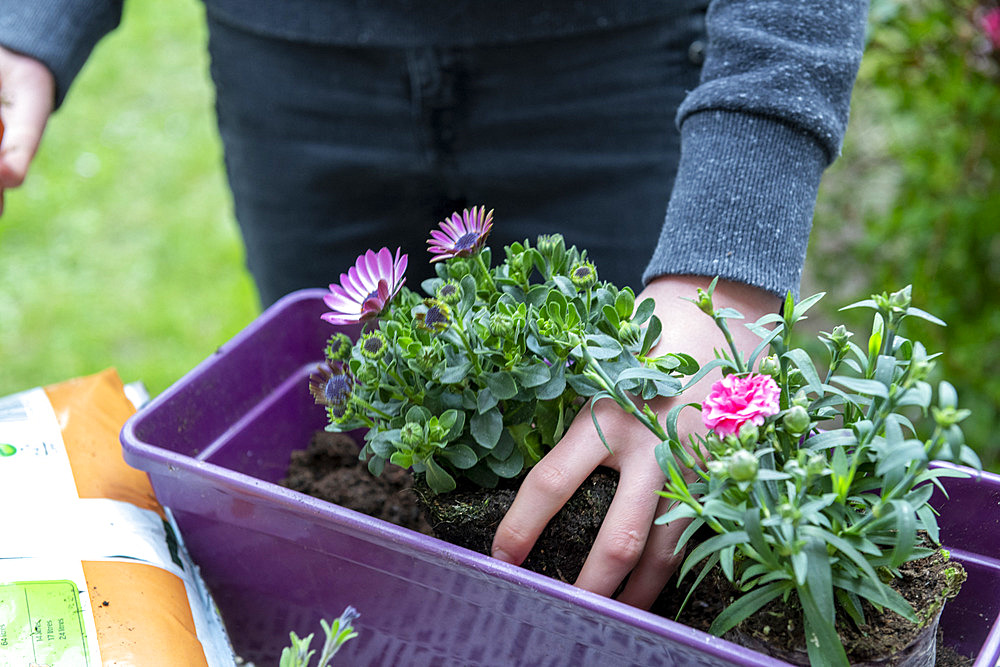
916,196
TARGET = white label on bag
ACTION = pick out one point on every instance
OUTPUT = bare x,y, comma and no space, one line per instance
34,466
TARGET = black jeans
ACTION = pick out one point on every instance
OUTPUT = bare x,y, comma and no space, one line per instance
332,150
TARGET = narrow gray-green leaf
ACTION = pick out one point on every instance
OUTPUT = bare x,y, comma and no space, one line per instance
802,361
862,386
805,304
818,576
906,532
712,545
746,606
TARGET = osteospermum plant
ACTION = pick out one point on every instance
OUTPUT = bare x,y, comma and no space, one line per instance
479,376
816,483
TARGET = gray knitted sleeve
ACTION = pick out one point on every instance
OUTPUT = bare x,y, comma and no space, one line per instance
767,118
59,33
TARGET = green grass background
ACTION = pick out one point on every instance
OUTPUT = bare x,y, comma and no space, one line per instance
121,248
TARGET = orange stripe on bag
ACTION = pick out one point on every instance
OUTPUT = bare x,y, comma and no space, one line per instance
142,612
91,412
142,615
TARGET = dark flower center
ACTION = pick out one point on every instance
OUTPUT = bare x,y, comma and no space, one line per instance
448,290
583,272
435,317
467,241
337,389
373,345
371,295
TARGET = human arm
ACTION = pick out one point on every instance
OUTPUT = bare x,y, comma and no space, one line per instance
756,135
43,45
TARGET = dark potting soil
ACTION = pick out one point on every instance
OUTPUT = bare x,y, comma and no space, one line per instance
330,470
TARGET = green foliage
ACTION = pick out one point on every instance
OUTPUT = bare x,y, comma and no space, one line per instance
510,359
917,193
833,485
337,634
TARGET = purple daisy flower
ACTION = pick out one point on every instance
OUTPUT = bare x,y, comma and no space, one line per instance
461,236
366,289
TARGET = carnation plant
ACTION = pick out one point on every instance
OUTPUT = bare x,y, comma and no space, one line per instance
481,374
816,483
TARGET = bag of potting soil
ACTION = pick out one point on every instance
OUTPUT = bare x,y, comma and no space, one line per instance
92,569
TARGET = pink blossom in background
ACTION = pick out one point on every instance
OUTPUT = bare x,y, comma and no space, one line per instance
367,287
991,26
735,400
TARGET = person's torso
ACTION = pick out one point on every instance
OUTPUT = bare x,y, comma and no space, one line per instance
409,23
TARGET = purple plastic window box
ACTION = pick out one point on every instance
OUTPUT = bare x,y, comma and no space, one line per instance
216,443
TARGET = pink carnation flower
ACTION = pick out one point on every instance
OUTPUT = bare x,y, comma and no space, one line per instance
736,400
991,26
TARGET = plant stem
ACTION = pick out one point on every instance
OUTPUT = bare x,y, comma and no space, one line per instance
737,357
486,271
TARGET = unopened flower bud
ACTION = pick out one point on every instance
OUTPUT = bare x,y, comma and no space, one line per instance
742,466
789,511
340,414
629,333
502,325
549,243
338,347
369,375
815,465
801,398
373,345
948,417
714,445
749,434
901,300
920,370
770,366
584,275
704,301
796,420
412,434
840,336
717,468
792,467
449,293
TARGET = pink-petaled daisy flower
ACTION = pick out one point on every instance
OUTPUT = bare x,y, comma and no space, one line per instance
735,400
990,23
367,287
461,235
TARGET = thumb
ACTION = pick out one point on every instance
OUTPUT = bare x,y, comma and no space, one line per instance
27,92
